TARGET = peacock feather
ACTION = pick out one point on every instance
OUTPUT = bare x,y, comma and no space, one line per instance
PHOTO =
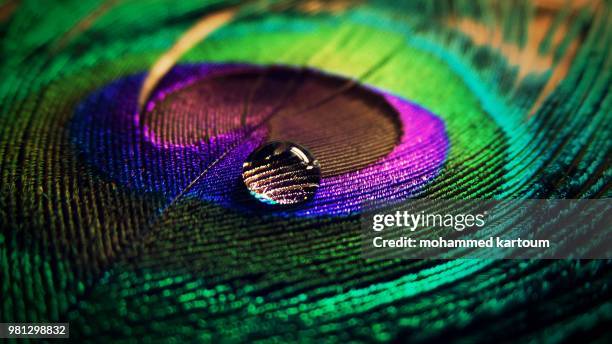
124,126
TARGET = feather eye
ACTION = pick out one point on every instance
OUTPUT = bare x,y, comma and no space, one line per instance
365,139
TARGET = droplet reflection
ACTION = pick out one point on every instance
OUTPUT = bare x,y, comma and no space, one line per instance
281,173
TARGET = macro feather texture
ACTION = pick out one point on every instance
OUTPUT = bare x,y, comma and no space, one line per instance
122,206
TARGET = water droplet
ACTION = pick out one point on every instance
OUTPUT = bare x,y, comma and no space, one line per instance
281,173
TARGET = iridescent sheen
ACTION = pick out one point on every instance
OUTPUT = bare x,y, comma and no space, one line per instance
413,161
